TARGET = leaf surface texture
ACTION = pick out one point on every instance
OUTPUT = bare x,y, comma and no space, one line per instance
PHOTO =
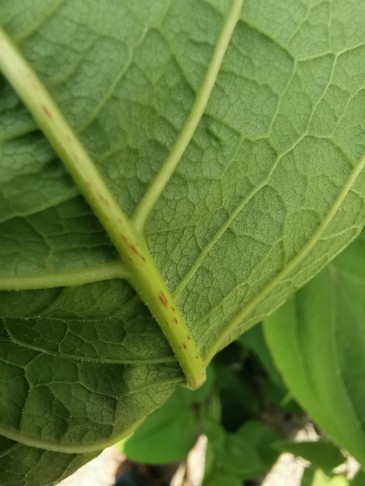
268,189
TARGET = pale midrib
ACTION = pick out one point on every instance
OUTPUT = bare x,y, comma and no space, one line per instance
143,274
164,174
246,311
65,278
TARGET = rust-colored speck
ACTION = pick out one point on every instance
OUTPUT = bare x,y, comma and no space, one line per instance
134,249
104,200
184,345
46,111
189,338
163,299
173,309
176,320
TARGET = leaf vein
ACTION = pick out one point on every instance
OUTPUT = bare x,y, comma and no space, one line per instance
158,184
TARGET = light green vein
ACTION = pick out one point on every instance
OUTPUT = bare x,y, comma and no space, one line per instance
198,262
143,274
66,278
155,189
36,26
279,278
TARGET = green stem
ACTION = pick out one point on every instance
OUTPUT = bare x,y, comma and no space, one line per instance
143,273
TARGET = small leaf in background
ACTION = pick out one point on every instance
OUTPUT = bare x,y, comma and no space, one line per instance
254,340
317,340
169,433
271,387
239,399
314,476
324,455
358,479
222,478
247,452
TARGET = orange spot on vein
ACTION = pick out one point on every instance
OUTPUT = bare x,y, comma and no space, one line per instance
104,200
46,111
163,299
134,249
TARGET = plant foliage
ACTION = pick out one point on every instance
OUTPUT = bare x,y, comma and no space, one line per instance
170,173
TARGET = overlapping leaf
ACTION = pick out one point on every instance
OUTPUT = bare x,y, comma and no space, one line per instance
317,339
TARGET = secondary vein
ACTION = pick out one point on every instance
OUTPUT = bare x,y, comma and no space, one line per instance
158,184
66,278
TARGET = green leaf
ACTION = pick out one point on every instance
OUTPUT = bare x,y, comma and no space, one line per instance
255,342
170,172
247,452
169,433
358,479
28,466
316,477
166,435
317,340
239,398
222,478
322,454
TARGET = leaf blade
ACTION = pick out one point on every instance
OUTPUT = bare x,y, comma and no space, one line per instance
316,328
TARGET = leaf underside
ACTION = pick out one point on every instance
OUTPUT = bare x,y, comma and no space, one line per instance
268,190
